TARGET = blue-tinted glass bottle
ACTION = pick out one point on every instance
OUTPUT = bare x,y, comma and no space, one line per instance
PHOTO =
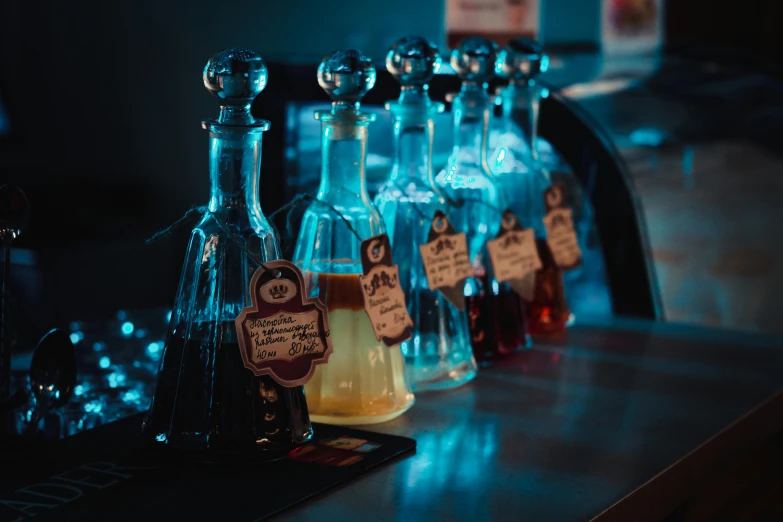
496,314
364,381
206,401
524,177
439,354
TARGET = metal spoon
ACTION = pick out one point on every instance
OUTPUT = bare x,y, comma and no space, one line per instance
52,374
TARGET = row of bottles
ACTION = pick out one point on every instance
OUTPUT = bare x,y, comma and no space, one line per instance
427,234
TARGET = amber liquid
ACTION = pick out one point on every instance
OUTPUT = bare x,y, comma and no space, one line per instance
234,413
498,324
548,312
364,381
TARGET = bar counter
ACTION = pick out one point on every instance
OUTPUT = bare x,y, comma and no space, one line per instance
628,420
614,421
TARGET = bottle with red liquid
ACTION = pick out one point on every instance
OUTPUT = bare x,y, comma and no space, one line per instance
495,313
524,177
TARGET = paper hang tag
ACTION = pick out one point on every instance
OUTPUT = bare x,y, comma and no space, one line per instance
446,260
560,231
514,256
384,300
283,334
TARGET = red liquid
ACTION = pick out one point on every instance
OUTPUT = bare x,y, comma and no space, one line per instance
497,323
548,312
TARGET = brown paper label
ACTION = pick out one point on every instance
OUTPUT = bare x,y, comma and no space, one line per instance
560,231
514,256
446,260
283,334
384,300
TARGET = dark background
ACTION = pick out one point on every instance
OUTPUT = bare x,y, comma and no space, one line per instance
750,29
105,101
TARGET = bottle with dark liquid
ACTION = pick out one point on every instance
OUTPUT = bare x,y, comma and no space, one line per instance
207,403
439,354
365,380
495,313
524,177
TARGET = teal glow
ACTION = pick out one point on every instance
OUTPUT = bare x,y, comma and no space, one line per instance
127,328
92,407
131,396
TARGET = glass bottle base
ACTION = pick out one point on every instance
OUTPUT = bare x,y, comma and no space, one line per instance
359,419
547,325
426,379
179,455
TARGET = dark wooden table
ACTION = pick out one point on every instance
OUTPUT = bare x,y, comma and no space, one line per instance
620,421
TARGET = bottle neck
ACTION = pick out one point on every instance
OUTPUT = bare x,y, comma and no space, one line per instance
235,168
413,151
344,155
472,110
521,102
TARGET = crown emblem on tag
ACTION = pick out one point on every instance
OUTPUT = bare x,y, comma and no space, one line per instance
278,291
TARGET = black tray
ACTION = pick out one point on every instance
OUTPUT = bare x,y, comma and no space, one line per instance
104,474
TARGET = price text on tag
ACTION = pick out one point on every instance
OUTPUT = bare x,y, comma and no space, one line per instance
384,299
514,255
283,334
446,260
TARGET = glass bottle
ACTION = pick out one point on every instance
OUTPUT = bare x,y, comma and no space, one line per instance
524,177
439,355
365,381
205,397
495,313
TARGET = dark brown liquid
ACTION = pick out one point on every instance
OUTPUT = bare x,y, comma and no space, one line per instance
510,321
548,312
341,291
497,323
482,338
222,406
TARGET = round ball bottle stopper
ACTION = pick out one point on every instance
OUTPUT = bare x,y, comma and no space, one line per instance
236,76
346,76
475,60
522,59
413,61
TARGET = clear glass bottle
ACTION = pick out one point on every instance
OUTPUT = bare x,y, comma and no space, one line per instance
439,355
495,313
524,177
365,380
205,397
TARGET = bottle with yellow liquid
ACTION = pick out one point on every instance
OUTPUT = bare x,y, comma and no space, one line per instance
365,381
